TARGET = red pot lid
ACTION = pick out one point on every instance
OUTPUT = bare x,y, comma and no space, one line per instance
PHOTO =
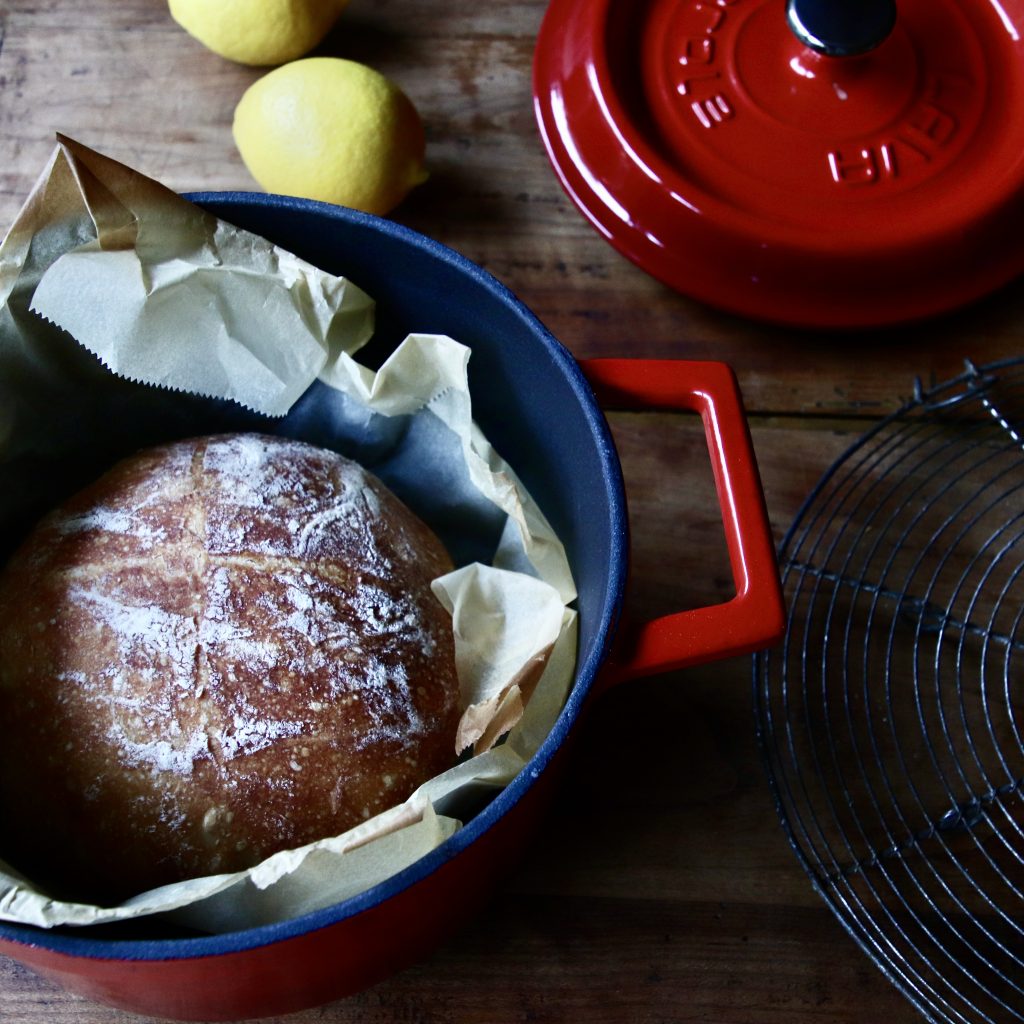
720,146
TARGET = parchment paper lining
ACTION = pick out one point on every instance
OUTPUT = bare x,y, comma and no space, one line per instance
130,316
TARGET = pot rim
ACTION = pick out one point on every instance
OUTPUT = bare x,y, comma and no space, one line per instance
79,944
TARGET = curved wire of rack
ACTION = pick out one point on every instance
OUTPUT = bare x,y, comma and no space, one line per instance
891,718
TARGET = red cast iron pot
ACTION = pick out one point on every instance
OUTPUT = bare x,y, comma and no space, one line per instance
522,381
717,149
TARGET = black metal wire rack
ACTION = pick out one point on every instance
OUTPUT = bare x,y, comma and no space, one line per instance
891,719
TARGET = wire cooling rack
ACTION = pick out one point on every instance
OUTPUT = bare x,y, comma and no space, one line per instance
891,718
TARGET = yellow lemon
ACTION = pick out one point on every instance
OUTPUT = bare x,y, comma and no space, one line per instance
260,32
331,129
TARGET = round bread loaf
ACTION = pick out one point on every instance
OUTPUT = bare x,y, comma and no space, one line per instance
223,648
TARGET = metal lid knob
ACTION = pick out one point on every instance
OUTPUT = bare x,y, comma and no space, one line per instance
841,28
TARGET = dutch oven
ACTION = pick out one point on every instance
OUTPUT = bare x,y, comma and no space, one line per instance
521,380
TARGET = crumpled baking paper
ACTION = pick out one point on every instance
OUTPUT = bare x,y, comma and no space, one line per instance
130,316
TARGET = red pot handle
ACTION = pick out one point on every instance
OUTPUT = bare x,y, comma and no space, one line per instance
755,617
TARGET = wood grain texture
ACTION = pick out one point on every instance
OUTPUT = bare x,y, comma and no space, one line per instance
664,889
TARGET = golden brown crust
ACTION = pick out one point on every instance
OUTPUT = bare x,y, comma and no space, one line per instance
223,648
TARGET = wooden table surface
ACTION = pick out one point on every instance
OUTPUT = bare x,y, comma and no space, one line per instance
684,902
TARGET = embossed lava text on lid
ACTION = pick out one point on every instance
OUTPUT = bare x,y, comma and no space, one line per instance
892,119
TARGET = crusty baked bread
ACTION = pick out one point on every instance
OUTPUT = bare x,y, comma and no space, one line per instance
223,648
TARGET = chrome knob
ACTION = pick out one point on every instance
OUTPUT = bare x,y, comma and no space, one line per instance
841,28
